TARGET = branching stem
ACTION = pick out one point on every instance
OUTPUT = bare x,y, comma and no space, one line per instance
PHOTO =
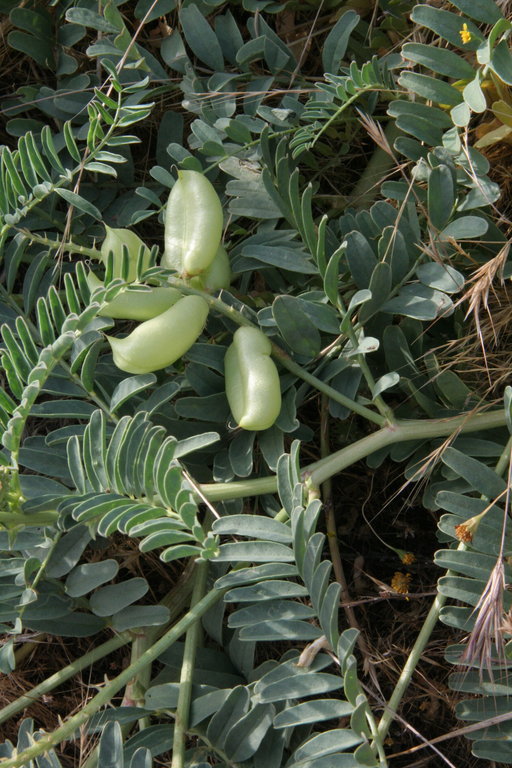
327,467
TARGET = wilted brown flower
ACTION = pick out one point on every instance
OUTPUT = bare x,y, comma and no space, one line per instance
465,531
400,582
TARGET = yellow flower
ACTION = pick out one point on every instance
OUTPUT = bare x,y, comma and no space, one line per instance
465,34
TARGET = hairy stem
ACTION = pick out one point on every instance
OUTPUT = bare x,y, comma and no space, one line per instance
55,245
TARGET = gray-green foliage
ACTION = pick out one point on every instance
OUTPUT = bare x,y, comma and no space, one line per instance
353,300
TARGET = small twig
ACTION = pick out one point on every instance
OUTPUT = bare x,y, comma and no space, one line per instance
197,489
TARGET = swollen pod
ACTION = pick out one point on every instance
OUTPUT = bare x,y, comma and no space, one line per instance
193,225
159,342
252,381
217,276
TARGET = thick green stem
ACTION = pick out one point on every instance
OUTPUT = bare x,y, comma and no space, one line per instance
187,671
320,470
35,518
111,688
399,433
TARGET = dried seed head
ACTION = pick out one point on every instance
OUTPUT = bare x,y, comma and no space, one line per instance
485,636
506,624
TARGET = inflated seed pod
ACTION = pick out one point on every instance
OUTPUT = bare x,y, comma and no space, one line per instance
136,305
252,380
193,225
114,241
159,342
217,276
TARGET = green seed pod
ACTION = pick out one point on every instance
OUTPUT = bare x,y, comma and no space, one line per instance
159,342
193,225
217,276
252,380
136,305
114,241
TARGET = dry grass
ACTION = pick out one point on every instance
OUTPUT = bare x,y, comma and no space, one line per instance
482,356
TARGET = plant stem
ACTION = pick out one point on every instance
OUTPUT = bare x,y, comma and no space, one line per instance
338,112
320,470
187,671
321,386
7,297
113,686
426,631
334,550
399,433
68,247
35,518
330,523
504,459
385,410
